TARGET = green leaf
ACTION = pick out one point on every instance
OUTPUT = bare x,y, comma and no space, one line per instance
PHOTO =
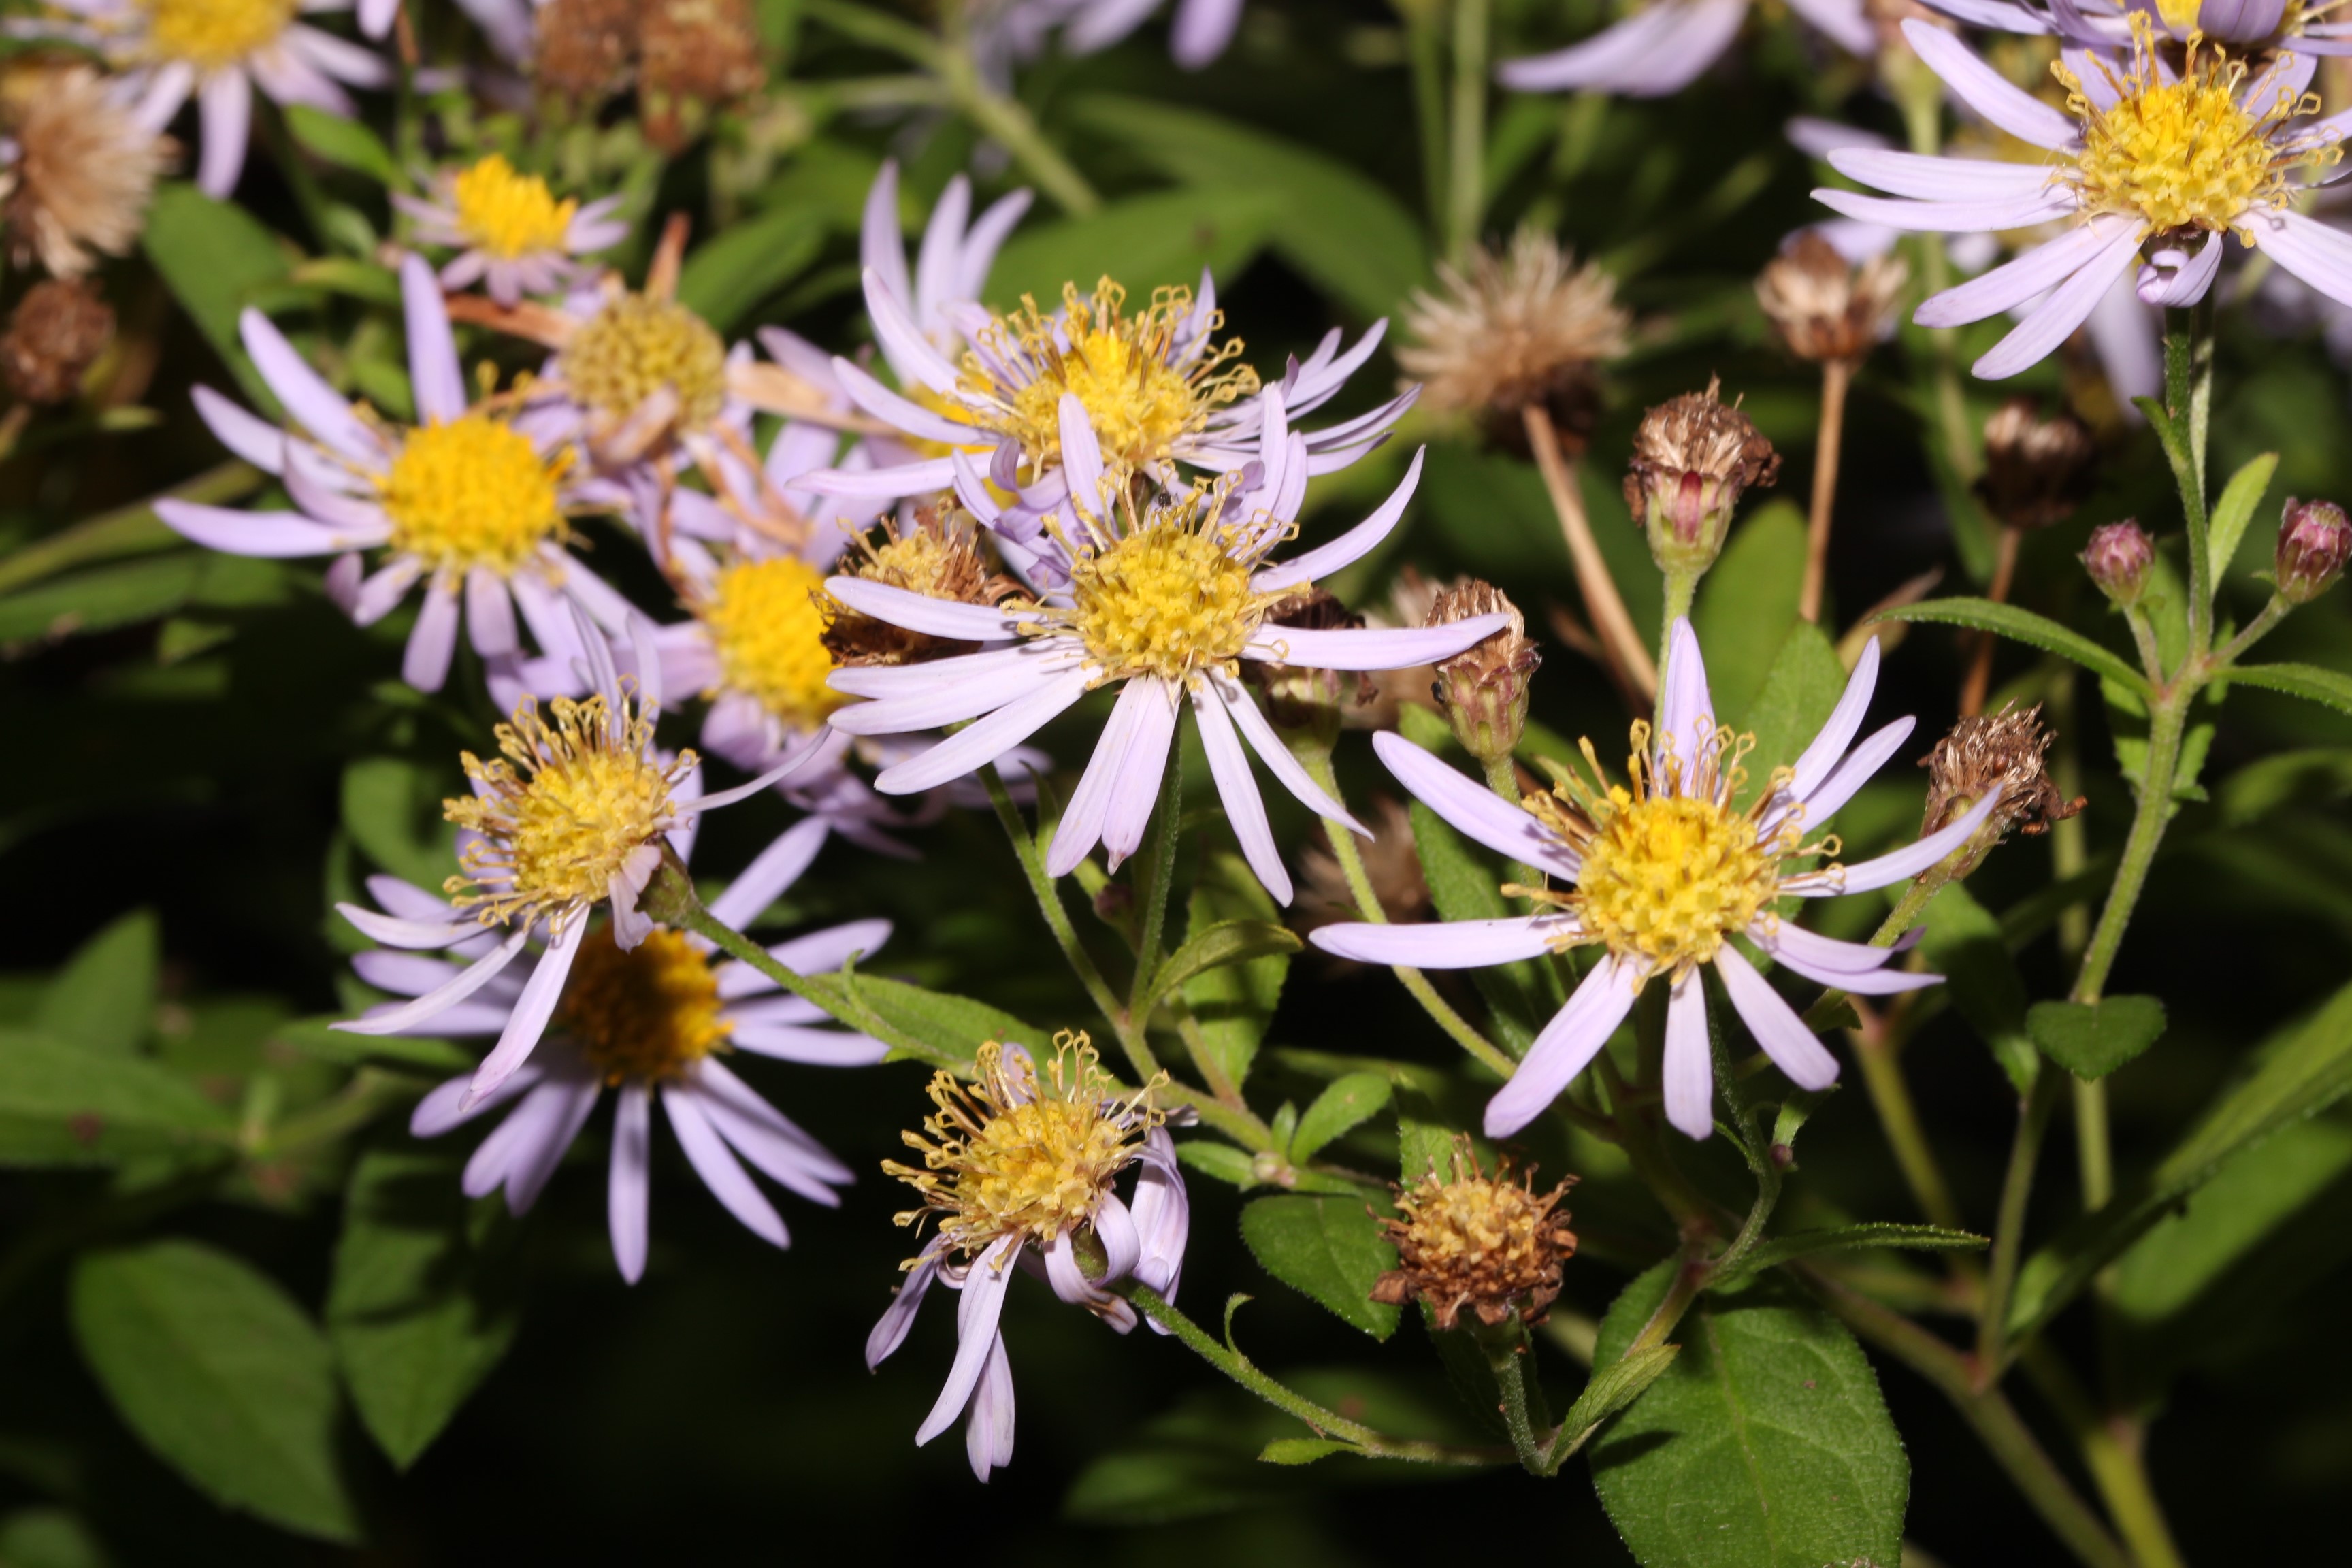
343,142
1765,1445
104,997
2308,681
63,1104
956,1026
213,256
221,1374
2235,510
1166,238
1227,941
726,278
1339,1106
2295,1075
1329,1247
100,599
48,1538
1747,606
1233,1004
2025,626
1965,945
391,808
1799,689
417,1313
1463,888
1302,1450
1345,233
2092,1039
1614,1386
1780,1249
1221,1161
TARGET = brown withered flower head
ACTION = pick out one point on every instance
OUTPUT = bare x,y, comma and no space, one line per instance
2008,750
83,171
1480,1244
1527,327
585,50
692,54
59,328
1694,456
1826,308
940,558
1484,688
2037,470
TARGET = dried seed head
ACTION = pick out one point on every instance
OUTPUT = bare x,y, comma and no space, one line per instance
2037,470
1299,697
2118,558
1694,456
1526,328
82,172
2313,540
694,54
2008,750
940,559
1488,1245
1484,688
59,328
585,48
1825,306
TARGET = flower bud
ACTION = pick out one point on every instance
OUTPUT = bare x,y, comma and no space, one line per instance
1299,697
1484,688
2313,540
1694,457
2006,751
1487,1246
2118,558
59,328
1826,308
2037,470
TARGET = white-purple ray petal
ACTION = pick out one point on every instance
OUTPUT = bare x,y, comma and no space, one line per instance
434,374
794,759
570,1097
1473,809
1654,52
1082,466
2318,253
905,413
889,1331
1370,647
1844,22
248,434
2175,277
2013,283
778,1009
911,353
1573,1039
1686,715
270,534
408,901
1998,16
1987,91
971,748
225,103
720,1171
403,974
1785,939
489,614
537,1005
518,1140
721,1087
1862,982
309,400
973,684
1817,761
2278,84
892,483
442,1109
1939,179
1135,789
978,1308
1276,756
1245,809
1688,1073
1081,826
935,261
431,641
1821,802
812,1048
988,1436
879,251
1354,544
2054,320
984,239
1445,944
481,972
921,613
1892,868
1793,1047
2042,204
628,1190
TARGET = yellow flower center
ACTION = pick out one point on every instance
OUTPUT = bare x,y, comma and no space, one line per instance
211,34
1669,878
1009,1154
1169,599
563,811
473,492
647,1014
510,215
768,629
634,346
2184,153
1119,365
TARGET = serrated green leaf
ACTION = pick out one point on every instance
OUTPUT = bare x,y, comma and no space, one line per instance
417,1314
1780,1249
1765,1445
1330,1248
221,1374
1747,606
104,997
1463,888
64,1104
2092,1039
1964,944
2025,626
391,808
2235,510
1221,1161
1143,242
728,276
2308,681
1800,690
215,257
343,142
1226,942
1342,1105
1233,1004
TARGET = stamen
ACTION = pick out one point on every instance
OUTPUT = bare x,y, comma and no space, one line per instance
510,215
767,625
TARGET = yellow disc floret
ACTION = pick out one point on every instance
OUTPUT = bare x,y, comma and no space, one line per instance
564,811
1140,393
1012,1154
473,492
509,214
1169,599
211,34
648,1012
636,346
2185,153
768,629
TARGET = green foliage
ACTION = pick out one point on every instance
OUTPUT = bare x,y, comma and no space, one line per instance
1965,945
1219,946
952,1027
2092,1039
2329,687
63,1103
391,808
343,142
1765,1445
103,999
1233,1003
1801,687
728,278
215,257
1746,607
1345,1103
1330,1248
1782,1249
1463,888
2235,511
1168,235
2023,626
221,1374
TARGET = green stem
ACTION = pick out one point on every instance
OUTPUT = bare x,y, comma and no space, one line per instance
2009,1226
2187,403
2256,629
1243,1371
1008,122
1466,150
1681,588
2113,1450
1159,878
2168,718
1032,856
1505,1345
1425,44
132,530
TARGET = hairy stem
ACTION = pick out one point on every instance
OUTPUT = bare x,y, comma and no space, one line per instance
2168,718
1836,376
1032,856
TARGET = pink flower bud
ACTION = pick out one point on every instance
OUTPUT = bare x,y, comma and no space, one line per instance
2313,540
2118,558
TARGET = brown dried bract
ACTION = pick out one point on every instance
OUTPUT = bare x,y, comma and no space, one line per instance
2008,748
1488,1245
1826,308
59,330
694,54
585,48
84,169
1697,455
2037,470
940,560
1484,687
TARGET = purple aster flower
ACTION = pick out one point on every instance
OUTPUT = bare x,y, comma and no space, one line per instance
1662,873
1020,1170
472,502
2247,25
1665,48
511,233
654,1022
575,813
1165,605
2159,167
217,51
1018,31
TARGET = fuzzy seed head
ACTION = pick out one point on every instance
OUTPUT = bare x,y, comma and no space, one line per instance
2007,750
1826,309
1472,1243
1524,328
2037,470
84,170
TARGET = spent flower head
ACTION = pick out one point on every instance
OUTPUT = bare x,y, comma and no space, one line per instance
2005,752
1484,688
1469,1242
1694,456
55,334
2037,470
1826,309
77,169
